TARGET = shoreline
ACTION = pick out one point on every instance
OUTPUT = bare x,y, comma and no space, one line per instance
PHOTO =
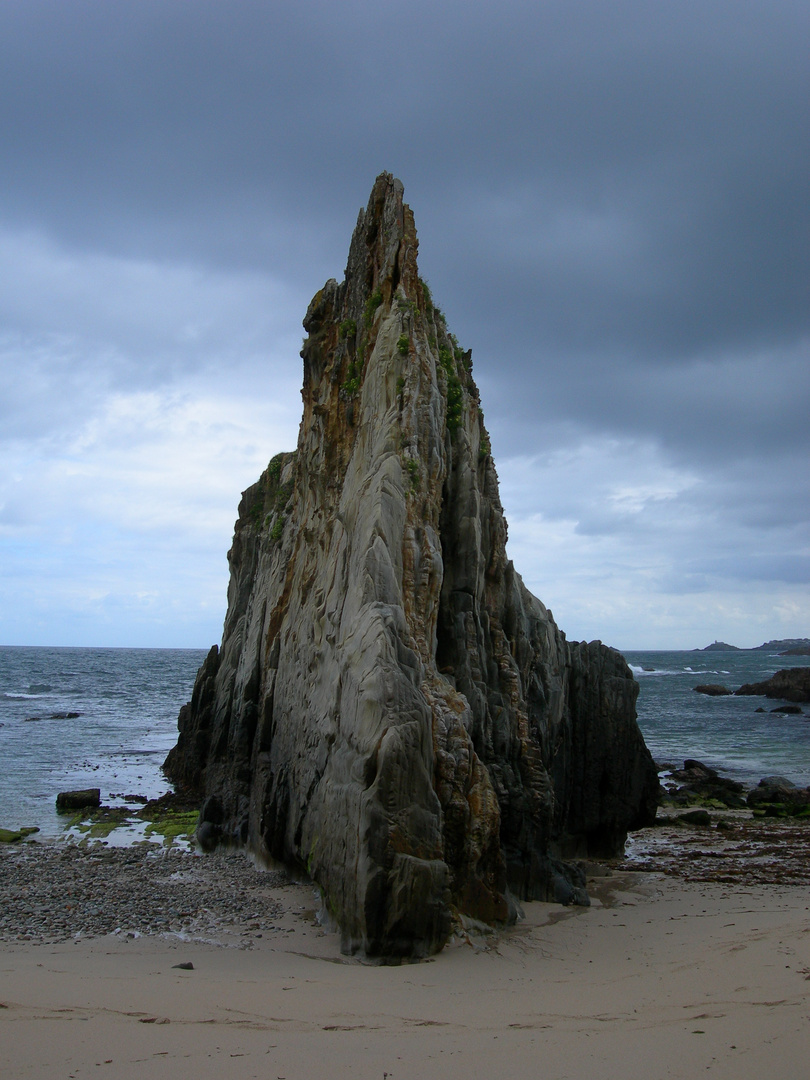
53,889
661,977
150,961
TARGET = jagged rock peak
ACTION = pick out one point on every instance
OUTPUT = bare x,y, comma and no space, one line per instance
391,711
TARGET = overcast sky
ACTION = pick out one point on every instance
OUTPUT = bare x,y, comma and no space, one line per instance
612,205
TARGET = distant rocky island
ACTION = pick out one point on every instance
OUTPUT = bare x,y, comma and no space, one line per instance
784,646
391,712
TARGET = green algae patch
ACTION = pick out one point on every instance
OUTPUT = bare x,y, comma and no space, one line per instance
98,824
14,836
174,817
103,821
782,810
174,825
170,819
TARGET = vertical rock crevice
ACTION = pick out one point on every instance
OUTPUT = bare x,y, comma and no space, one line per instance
391,711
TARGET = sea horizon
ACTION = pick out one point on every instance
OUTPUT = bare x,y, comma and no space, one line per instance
713,647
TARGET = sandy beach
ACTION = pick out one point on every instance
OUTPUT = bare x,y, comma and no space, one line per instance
660,977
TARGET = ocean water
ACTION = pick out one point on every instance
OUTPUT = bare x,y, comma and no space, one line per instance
726,733
128,700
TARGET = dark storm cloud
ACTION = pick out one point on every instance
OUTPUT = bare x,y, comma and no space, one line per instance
173,124
747,406
610,197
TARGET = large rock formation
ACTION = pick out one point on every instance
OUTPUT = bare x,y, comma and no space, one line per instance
391,710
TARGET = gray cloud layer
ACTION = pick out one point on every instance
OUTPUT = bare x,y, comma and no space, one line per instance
611,200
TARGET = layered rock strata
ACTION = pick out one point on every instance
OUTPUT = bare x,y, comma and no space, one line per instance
391,711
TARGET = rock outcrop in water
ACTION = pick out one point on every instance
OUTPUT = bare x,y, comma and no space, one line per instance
391,710
790,684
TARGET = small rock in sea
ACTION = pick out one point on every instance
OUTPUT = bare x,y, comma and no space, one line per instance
713,690
776,796
78,800
53,716
791,710
694,770
700,782
775,785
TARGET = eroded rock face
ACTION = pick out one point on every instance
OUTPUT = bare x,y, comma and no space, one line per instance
391,710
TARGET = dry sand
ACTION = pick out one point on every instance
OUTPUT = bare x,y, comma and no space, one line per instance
658,978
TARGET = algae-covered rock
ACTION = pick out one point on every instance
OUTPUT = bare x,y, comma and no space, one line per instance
776,796
78,800
391,711
14,836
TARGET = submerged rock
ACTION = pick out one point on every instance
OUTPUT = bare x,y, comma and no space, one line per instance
54,716
391,711
712,690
